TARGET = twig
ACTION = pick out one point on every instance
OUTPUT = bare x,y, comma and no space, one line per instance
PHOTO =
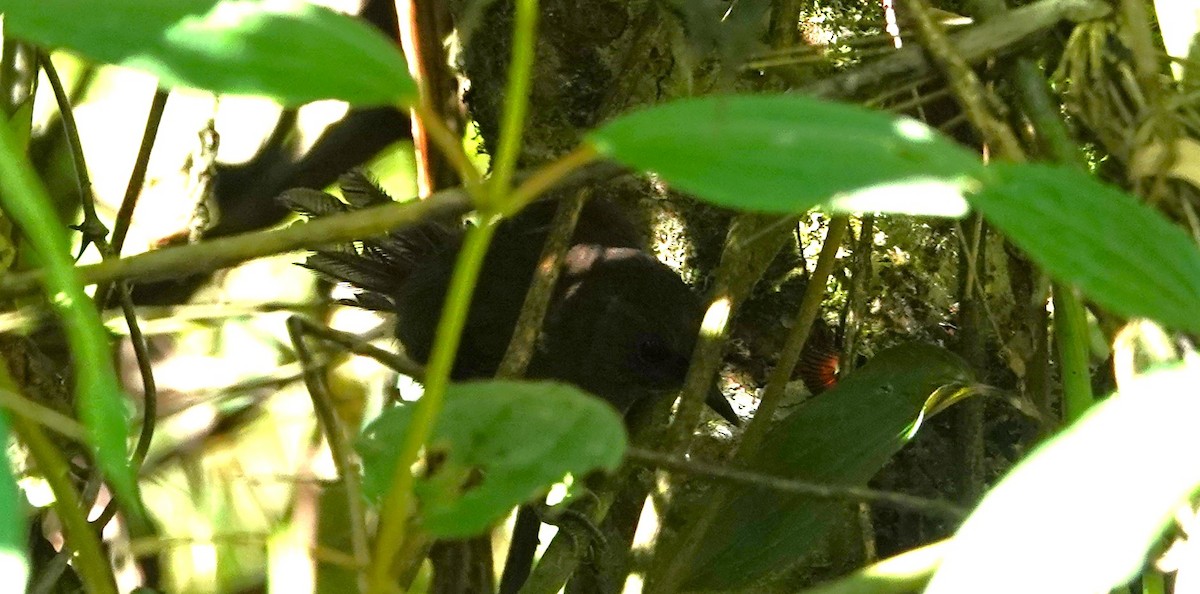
537,299
220,253
339,447
141,353
137,176
740,477
358,346
516,359
975,44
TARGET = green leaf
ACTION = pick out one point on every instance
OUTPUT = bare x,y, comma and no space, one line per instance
788,153
14,563
501,443
842,437
1080,514
101,403
289,50
1122,254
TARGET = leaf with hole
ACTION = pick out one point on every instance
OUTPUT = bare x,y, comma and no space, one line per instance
789,153
841,437
495,445
288,50
1121,253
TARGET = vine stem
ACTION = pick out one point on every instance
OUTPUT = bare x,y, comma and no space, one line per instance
398,502
492,203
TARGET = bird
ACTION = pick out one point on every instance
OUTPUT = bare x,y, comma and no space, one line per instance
621,324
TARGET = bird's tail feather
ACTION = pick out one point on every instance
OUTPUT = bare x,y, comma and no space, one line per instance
377,267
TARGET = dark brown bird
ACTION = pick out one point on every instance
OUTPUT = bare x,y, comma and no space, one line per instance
621,324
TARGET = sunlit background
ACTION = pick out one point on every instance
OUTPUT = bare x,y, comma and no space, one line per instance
234,476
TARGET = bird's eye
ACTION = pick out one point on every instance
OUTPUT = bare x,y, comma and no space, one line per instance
651,350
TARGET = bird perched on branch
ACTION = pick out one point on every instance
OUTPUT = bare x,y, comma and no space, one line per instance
621,324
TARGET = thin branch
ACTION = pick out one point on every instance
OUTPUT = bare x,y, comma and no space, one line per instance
537,299
137,177
335,435
976,44
524,542
141,352
176,262
92,227
356,345
740,477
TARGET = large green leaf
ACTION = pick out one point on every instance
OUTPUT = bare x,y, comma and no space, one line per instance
1122,254
842,437
290,50
14,563
1080,514
788,153
499,444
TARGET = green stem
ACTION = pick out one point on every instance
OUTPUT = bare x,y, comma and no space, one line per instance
1071,334
516,100
545,177
1070,318
397,505
395,511
98,395
90,559
451,147
1153,582
673,568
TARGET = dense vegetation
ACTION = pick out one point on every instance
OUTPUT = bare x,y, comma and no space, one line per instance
986,225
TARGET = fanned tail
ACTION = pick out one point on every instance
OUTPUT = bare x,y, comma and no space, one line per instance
377,267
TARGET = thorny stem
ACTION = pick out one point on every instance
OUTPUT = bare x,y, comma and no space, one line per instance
92,228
